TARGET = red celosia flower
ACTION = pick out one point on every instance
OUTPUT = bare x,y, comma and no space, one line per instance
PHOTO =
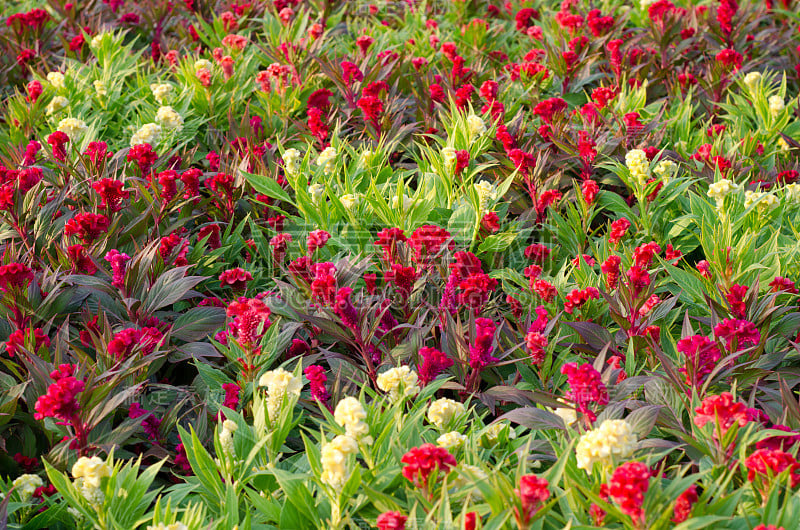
532,492
236,278
426,460
589,189
60,401
735,298
784,443
58,140
122,345
766,464
372,107
391,521
480,349
730,58
34,90
111,193
583,258
387,240
610,267
721,409
87,227
317,379
702,355
548,108
150,423
741,331
537,253
684,503
779,283
344,309
577,297
490,222
475,290
316,240
212,232
17,340
725,13
585,387
250,320
15,276
643,254
433,363
618,230
544,290
118,261
428,241
536,343
351,72
167,247
462,161
638,279
768,527
231,395
81,262
525,17
627,487
144,156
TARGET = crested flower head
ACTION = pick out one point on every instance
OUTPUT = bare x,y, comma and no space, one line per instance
149,133
169,119
72,127
399,382
56,104
56,79
279,383
443,411
26,485
291,162
334,459
161,91
612,439
350,414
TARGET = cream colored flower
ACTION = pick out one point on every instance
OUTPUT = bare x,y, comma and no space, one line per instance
203,63
316,191
350,414
56,79
56,104
443,411
366,157
666,169
765,201
334,460
567,414
72,127
720,189
279,383
792,192
451,440
449,157
226,438
26,485
327,159
638,164
161,91
149,133
776,105
407,203
91,470
493,431
467,476
169,119
350,201
291,161
613,439
783,145
751,80
100,88
476,125
97,40
485,192
399,382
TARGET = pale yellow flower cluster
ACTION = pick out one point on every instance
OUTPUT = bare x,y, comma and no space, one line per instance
72,127
776,105
476,125
201,64
327,158
226,438
26,485
665,170
56,79
612,439
334,459
765,200
88,472
279,383
443,411
751,80
485,192
451,440
366,157
350,200
449,157
467,477
161,91
638,164
493,431
350,414
316,191
792,192
291,161
100,88
720,189
148,134
399,382
56,104
169,119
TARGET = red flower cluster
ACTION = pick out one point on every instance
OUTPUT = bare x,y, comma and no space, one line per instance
236,278
87,226
683,504
721,409
426,460
15,276
317,379
768,464
737,333
577,297
250,320
585,387
391,521
60,401
702,355
122,345
433,363
532,492
627,487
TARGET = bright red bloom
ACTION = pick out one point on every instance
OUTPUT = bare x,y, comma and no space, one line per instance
735,298
536,343
426,460
317,379
548,108
428,241
544,289
725,13
15,276
730,58
779,283
537,253
627,487
144,156
236,278
577,297
610,267
532,492
17,340
231,395
111,193
480,350
60,401
618,230
391,521
34,90
387,240
167,247
475,290
250,320
702,355
525,18
684,503
87,227
723,409
741,331
585,387
433,363
643,254
316,240
123,344
589,189
58,140
769,463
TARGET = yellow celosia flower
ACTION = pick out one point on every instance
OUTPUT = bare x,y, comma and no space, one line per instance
638,164
91,470
26,485
399,382
449,157
494,430
72,127
451,440
442,411
350,414
720,189
327,158
279,383
291,161
485,193
334,460
161,91
56,79
665,170
226,437
792,192
56,104
612,439
776,105
316,191
169,119
148,134
100,88
766,201
476,125
203,63
751,80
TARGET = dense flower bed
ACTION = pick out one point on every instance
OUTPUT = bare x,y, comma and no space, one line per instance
445,264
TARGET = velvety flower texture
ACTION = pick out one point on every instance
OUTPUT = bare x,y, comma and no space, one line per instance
721,408
420,462
627,487
60,401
